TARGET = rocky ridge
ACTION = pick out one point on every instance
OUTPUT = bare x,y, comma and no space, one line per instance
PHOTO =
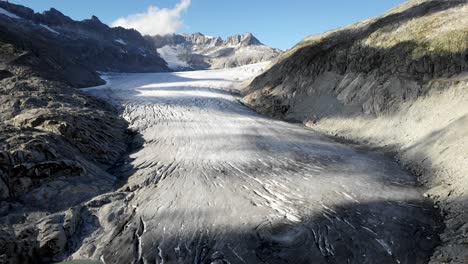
62,49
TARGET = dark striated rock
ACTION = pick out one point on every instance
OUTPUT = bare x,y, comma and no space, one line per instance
55,147
56,143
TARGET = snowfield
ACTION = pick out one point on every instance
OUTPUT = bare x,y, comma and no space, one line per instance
121,41
214,182
171,56
49,29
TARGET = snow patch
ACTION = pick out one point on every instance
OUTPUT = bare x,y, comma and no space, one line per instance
8,14
49,29
121,41
171,56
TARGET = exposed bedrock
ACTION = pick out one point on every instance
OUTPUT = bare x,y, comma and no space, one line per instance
56,145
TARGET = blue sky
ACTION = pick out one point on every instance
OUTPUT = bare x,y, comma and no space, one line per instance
278,23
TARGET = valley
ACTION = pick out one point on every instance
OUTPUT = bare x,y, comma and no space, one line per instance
216,182
132,142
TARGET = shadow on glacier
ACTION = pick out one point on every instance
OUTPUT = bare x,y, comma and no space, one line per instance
374,232
142,79
213,91
388,230
217,100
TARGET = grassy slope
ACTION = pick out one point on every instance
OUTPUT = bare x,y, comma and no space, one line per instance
397,81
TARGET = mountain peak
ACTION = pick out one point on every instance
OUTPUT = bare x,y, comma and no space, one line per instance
201,39
95,18
250,39
246,39
55,17
54,12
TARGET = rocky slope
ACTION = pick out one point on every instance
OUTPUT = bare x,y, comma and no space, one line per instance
398,81
197,51
57,145
62,49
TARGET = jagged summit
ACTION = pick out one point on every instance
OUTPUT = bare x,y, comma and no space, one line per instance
93,17
200,39
247,39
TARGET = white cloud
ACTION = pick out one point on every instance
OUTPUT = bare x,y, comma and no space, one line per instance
155,21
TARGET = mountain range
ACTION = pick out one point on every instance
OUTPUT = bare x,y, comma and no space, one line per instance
197,51
60,48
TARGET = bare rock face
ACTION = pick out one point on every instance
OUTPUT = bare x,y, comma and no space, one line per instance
51,236
244,40
397,81
55,147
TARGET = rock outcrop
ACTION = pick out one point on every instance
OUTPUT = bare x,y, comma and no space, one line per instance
398,81
198,52
56,145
